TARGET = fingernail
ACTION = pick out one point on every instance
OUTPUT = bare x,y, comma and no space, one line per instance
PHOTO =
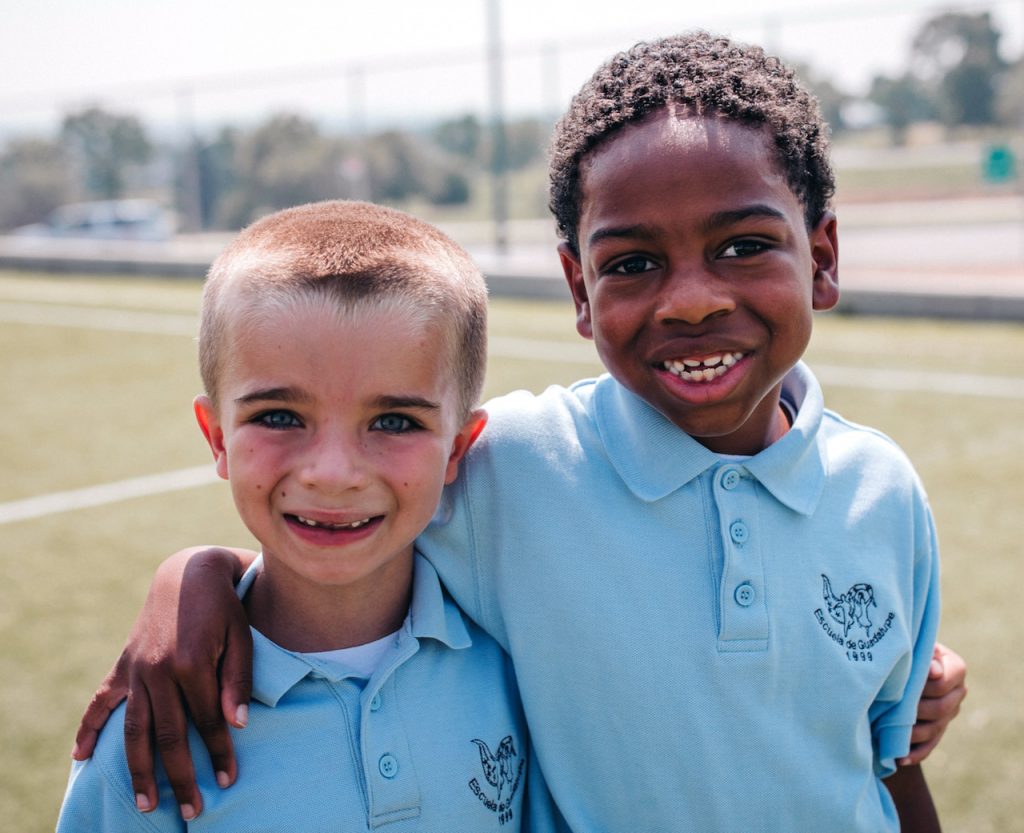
242,715
188,812
935,669
75,753
223,780
142,802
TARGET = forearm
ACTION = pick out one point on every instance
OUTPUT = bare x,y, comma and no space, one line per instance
913,800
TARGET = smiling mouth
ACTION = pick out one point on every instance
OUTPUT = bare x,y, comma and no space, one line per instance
703,370
323,525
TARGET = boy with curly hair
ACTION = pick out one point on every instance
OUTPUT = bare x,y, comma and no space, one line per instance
720,598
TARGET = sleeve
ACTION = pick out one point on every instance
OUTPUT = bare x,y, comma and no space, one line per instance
464,534
99,795
892,717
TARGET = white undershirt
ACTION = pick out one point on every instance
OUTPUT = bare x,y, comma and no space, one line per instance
363,659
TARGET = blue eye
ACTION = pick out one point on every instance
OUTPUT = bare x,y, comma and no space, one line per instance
394,424
635,265
744,248
278,420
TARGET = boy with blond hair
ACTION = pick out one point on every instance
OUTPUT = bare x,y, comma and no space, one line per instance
342,350
721,599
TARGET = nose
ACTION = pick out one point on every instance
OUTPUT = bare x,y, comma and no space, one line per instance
333,462
692,293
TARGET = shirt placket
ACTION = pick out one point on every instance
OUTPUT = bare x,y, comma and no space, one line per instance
742,599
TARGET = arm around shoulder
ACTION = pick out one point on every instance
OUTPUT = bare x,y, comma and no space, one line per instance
99,793
190,646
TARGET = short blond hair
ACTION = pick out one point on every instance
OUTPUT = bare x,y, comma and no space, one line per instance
353,254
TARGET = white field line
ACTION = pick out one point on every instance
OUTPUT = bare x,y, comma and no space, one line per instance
96,318
153,484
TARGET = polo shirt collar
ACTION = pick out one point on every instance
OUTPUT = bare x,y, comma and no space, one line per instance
432,615
654,458
794,468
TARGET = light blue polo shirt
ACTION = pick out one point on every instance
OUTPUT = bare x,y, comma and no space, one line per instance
433,741
700,644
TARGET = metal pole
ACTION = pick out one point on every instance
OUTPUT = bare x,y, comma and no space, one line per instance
191,178
499,173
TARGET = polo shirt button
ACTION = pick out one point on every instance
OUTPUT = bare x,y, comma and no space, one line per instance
388,766
738,532
375,703
744,595
730,479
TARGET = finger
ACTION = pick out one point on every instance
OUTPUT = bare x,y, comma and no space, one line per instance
138,748
170,734
918,752
236,673
941,709
204,707
946,672
107,697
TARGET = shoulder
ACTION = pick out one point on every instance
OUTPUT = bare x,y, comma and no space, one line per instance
100,795
852,445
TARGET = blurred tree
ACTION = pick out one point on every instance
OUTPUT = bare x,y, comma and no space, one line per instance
285,161
33,181
1010,98
460,137
102,147
956,55
526,141
402,165
217,174
902,101
831,99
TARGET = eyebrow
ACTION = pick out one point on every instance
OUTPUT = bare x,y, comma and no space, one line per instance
289,394
417,402
716,220
727,218
286,394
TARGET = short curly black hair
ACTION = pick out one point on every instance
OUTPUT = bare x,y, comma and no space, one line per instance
711,75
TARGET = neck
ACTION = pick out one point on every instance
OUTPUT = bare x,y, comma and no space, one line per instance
306,616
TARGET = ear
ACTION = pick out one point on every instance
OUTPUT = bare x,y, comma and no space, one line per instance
825,254
573,269
463,441
209,424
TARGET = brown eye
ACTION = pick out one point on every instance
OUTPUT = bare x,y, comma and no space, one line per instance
744,248
636,265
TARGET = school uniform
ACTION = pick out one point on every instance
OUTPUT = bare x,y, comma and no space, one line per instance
432,740
700,643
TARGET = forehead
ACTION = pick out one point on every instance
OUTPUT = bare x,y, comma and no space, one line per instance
321,343
682,163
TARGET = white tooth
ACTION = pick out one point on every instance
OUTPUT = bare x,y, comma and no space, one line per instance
737,356
685,375
711,361
691,362
721,370
708,374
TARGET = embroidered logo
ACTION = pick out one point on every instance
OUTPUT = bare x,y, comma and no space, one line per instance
851,610
503,770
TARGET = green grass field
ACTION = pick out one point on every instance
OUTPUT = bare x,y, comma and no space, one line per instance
97,385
